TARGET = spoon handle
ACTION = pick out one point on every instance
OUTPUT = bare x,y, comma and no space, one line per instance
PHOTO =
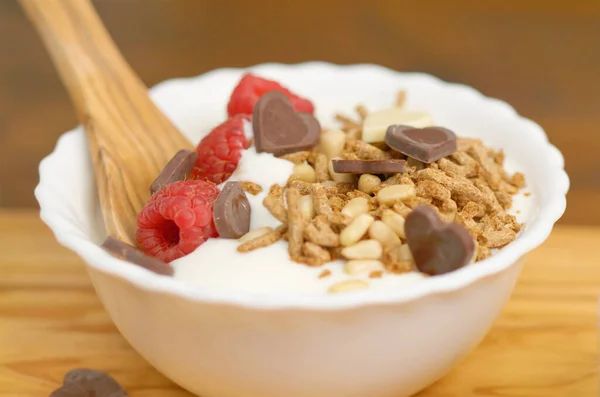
130,140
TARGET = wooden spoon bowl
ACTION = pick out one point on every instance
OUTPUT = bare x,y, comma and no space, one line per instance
130,140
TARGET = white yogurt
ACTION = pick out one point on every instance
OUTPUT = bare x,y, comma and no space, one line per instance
216,264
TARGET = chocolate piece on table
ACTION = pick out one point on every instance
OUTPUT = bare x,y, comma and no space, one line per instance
437,247
88,382
279,129
391,166
131,254
427,144
177,169
231,211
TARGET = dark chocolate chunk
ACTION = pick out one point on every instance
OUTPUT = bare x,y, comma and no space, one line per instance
177,169
131,254
231,211
437,247
391,166
279,129
88,383
427,144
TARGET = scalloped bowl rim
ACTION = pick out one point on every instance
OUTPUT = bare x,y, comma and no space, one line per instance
536,233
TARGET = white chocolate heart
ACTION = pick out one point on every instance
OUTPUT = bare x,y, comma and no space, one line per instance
376,124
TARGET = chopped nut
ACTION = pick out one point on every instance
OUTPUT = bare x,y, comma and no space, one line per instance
394,193
356,206
400,99
274,203
356,229
358,266
347,286
296,157
384,234
254,233
307,208
325,273
295,223
305,172
405,254
321,168
264,240
367,183
251,187
394,221
376,274
332,143
366,249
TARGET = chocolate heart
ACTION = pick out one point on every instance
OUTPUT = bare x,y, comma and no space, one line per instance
437,247
88,383
177,169
427,144
279,129
133,255
231,211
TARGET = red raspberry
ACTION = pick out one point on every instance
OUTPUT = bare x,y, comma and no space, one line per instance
177,219
220,151
251,88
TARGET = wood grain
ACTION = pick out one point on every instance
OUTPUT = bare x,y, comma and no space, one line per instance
129,139
543,344
542,56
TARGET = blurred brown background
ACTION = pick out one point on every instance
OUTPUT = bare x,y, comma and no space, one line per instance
543,57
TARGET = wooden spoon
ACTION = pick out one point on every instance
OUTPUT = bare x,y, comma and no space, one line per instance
130,140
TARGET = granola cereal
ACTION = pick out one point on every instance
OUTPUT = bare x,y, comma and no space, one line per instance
468,186
352,223
251,187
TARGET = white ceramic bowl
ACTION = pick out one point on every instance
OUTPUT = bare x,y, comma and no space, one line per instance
375,343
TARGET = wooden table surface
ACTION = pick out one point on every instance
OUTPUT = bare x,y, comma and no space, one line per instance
541,56
543,344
